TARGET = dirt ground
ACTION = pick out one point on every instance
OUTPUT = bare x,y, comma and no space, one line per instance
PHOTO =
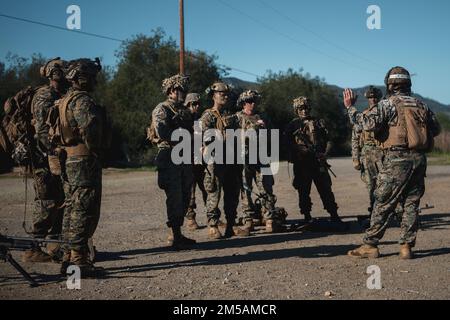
131,240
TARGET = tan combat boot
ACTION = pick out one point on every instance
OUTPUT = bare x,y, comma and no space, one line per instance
81,259
170,238
270,226
54,251
36,255
405,252
236,231
365,251
65,262
248,225
192,224
214,233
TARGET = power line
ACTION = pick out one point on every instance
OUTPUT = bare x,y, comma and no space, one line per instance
316,34
61,28
106,38
268,27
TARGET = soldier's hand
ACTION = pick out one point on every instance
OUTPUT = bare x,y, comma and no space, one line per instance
349,98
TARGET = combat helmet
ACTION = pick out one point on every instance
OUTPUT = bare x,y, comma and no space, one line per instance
218,87
51,65
398,75
373,92
248,96
83,67
191,97
301,103
177,81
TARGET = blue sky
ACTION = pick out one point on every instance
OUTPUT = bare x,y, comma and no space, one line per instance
326,38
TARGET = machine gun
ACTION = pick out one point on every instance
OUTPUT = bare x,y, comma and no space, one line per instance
8,244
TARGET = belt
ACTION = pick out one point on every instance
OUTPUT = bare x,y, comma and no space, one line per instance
78,150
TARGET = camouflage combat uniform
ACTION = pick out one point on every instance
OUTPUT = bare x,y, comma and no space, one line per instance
49,194
198,168
175,180
218,177
368,155
306,138
402,176
82,172
252,172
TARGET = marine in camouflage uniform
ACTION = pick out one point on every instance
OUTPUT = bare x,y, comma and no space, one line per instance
249,120
192,102
307,140
83,139
174,179
366,150
409,127
220,178
49,194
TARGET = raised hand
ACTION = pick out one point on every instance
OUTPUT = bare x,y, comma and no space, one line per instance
349,98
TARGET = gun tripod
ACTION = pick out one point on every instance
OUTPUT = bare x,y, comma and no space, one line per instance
7,257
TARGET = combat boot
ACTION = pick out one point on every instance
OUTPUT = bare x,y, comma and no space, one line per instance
214,233
365,251
192,224
308,217
180,242
170,238
248,225
80,258
65,262
231,231
335,217
405,252
269,226
54,251
36,255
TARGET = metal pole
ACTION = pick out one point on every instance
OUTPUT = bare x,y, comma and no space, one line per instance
181,37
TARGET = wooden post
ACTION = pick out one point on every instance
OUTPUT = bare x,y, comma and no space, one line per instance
181,37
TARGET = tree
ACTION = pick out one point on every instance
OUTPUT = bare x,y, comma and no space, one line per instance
135,89
278,91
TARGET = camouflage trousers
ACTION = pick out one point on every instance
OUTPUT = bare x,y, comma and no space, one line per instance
401,180
264,185
83,189
371,163
226,178
49,198
198,179
305,173
176,181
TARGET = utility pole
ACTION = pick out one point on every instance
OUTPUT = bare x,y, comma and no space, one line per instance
181,8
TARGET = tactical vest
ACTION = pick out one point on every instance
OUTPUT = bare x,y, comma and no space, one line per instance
67,130
152,135
368,138
411,130
249,121
220,122
306,135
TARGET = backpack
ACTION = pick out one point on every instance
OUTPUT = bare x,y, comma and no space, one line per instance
412,129
17,126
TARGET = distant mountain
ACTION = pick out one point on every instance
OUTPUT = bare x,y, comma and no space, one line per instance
437,107
362,102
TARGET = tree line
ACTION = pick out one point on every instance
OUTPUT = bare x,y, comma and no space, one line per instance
132,88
